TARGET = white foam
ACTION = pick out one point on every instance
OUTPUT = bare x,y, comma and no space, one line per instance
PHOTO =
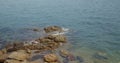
58,33
65,30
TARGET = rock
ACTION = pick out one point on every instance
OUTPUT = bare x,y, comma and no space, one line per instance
60,38
80,59
65,61
71,57
45,40
57,38
28,51
100,56
36,29
53,62
18,55
3,57
50,58
12,61
67,55
25,61
14,46
18,45
64,53
4,51
33,29
1,53
52,29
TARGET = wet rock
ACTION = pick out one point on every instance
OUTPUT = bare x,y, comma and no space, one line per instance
60,38
14,46
52,29
65,61
50,58
57,38
19,55
100,56
36,29
18,45
67,55
64,53
36,57
45,40
80,59
71,57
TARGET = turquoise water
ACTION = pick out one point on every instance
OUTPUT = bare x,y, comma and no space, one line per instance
94,24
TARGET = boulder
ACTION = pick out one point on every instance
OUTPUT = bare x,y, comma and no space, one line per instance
60,38
50,58
57,38
52,29
19,55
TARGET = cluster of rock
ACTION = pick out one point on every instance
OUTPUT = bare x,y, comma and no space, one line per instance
19,52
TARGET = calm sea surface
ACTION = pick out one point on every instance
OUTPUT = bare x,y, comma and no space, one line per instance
94,24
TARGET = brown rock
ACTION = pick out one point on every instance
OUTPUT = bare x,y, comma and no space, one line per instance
57,38
12,61
3,57
45,40
53,62
60,38
1,53
4,51
50,58
20,55
36,29
64,53
52,29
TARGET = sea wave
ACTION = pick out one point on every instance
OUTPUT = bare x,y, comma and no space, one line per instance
65,30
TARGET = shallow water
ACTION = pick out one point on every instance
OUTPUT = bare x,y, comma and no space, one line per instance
94,24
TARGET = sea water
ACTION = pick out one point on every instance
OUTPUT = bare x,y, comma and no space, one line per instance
94,25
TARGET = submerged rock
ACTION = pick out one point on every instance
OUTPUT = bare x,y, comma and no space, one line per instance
50,58
100,56
71,57
52,29
65,61
36,29
64,53
80,59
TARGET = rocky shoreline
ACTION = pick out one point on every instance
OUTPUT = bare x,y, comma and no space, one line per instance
40,50
46,49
